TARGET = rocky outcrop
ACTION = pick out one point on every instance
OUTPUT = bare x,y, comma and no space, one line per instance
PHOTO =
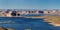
2,28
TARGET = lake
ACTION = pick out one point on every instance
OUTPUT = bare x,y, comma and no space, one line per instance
21,23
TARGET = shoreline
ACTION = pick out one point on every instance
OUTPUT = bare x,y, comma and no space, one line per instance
55,20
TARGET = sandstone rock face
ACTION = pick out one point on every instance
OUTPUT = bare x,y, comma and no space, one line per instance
28,29
2,28
10,28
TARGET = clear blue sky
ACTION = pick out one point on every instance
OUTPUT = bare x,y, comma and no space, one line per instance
30,4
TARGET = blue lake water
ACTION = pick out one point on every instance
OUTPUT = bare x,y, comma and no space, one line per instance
24,23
